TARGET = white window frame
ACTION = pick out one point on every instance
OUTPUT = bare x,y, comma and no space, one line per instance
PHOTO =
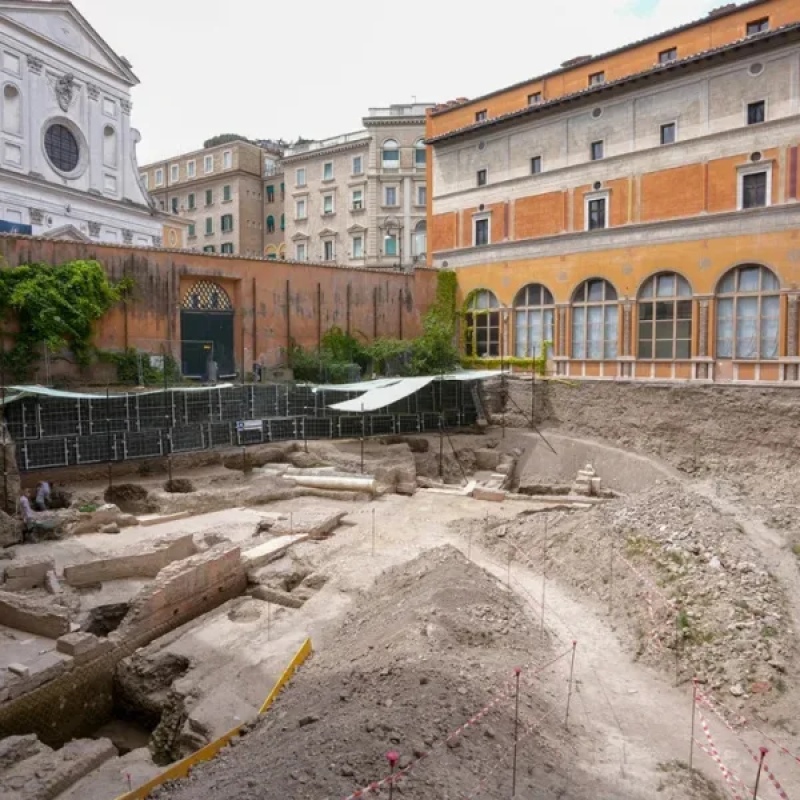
159,181
297,174
328,196
591,149
174,173
360,170
191,168
535,99
541,165
661,127
325,176
145,180
301,251
329,240
605,194
208,165
297,202
753,169
227,159
601,74
484,170
422,187
394,236
386,202
359,237
360,200
484,215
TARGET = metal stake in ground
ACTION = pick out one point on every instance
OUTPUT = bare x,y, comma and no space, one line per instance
373,531
392,757
678,638
517,671
5,440
441,446
269,620
610,573
108,437
544,571
763,751
571,676
694,714
362,438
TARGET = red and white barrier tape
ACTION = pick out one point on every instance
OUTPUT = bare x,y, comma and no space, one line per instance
508,690
745,723
707,702
714,754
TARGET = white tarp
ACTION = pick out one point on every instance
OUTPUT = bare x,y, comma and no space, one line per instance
59,394
383,396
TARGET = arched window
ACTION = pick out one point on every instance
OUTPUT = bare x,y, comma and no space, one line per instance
748,313
272,252
109,147
533,320
482,320
12,111
270,224
390,154
421,238
665,317
207,296
595,320
420,154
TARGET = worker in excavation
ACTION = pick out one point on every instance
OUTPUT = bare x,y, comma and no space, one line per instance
43,492
28,517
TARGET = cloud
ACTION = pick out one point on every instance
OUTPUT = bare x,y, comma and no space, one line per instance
314,69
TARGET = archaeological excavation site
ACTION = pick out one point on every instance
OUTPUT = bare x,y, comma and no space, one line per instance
478,585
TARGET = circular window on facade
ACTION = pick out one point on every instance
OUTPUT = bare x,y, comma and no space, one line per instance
62,148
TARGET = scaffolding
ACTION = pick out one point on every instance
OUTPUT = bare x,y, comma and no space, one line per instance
63,430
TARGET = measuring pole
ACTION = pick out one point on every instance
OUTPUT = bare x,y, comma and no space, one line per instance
441,447
610,573
544,572
533,394
363,431
763,751
373,531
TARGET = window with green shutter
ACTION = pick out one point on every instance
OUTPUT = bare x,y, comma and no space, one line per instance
209,225
227,247
209,197
227,223
226,193
191,201
270,224
270,194
283,222
192,233
209,248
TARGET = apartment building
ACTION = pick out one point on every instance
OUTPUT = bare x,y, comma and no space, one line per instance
360,198
635,214
221,191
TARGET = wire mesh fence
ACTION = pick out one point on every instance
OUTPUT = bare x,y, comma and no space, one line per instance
55,432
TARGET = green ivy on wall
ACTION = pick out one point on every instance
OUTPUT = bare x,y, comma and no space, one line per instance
55,306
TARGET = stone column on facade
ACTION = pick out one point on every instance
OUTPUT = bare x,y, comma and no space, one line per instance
560,348
627,314
791,325
702,328
94,134
33,157
408,189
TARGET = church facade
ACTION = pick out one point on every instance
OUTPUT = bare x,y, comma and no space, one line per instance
67,148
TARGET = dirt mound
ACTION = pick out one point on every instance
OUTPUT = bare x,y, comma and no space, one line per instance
130,498
179,486
676,573
429,645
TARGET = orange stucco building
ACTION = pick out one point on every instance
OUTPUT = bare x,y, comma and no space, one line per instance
635,214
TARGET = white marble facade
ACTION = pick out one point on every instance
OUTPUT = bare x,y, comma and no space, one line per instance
67,149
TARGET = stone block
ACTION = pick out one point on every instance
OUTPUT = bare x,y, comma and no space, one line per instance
19,669
269,551
51,582
28,614
492,495
27,573
277,597
486,460
82,647
14,749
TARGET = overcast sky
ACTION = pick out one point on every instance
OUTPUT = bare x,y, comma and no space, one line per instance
266,69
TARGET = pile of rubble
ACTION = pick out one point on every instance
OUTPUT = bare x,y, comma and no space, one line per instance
676,574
